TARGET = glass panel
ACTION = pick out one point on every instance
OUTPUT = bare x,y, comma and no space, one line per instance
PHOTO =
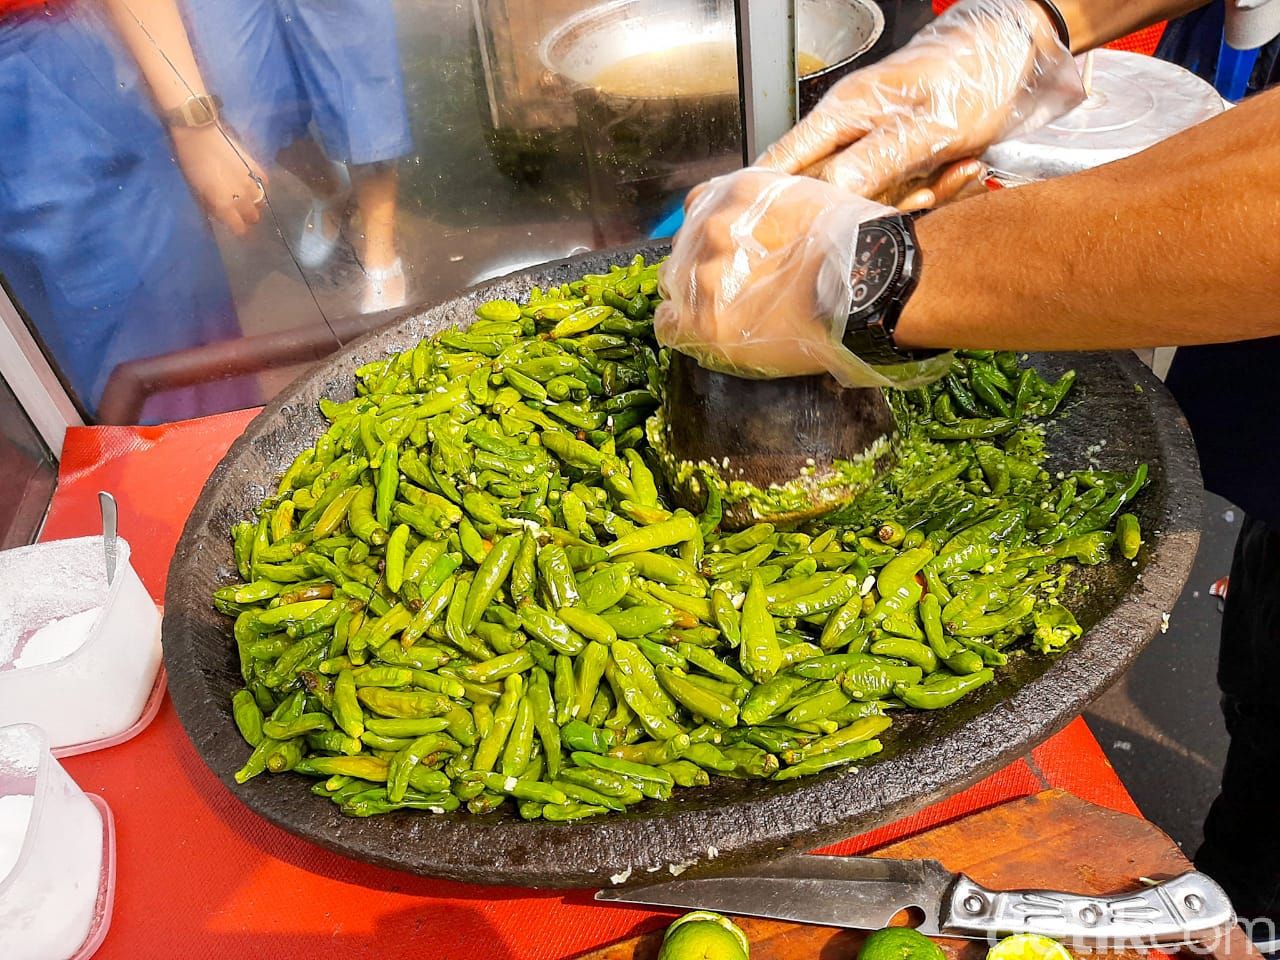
404,148
30,474
104,239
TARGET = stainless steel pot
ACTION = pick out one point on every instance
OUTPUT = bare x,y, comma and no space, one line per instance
836,32
641,150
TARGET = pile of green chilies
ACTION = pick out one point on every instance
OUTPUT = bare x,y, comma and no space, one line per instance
472,590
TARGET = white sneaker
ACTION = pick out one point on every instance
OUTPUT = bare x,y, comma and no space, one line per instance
384,289
315,246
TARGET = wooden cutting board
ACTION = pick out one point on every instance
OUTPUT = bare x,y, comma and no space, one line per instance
1051,840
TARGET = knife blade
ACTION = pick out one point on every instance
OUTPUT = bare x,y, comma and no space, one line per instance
867,892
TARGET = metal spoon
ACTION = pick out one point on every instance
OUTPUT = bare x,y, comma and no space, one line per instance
110,518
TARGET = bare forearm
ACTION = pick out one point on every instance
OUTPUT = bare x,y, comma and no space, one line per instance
1095,22
157,38
1176,246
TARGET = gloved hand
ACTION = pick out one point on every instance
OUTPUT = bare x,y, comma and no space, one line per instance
758,281
983,71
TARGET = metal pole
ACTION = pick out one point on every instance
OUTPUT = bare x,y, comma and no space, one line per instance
32,380
766,72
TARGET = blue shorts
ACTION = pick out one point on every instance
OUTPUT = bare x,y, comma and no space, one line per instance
282,65
100,239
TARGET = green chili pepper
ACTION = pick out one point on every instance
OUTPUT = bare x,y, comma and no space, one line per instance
1052,397
941,692
760,652
408,704
657,535
577,735
518,751
825,701
986,390
362,521
1101,515
981,543
994,467
1128,535
538,694
556,575
504,718
699,701
976,429
248,717
850,753
550,629
588,624
912,651
862,729
490,576
395,557
591,667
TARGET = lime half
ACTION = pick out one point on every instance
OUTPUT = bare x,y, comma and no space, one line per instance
900,943
1028,946
703,935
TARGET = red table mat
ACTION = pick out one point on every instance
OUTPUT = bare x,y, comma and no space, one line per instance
199,876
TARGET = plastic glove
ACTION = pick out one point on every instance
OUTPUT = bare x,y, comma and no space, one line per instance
983,71
758,283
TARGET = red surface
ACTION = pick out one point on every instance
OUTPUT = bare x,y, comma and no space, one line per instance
13,6
1143,41
199,876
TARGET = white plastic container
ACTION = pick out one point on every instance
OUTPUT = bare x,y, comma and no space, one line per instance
96,694
50,896
1251,23
1135,102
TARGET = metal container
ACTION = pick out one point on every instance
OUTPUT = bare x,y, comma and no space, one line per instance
1134,103
528,119
731,822
640,150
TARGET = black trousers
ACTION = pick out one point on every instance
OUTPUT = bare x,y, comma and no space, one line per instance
1242,832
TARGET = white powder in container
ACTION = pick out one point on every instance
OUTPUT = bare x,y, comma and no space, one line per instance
49,909
15,812
57,639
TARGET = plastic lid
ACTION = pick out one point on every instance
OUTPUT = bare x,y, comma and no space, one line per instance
1135,102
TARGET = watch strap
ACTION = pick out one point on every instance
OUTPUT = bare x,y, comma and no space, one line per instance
870,335
197,111
874,344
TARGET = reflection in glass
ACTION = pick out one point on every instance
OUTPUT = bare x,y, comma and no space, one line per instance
29,471
101,242
655,84
317,89
370,153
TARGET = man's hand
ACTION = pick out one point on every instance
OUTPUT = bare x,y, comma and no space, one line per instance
758,282
984,70
222,175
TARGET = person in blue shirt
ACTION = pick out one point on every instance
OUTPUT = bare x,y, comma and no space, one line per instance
103,240
1173,246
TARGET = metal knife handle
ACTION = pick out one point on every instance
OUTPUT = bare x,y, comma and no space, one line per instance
1187,909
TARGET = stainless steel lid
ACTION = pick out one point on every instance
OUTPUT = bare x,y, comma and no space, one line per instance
1135,102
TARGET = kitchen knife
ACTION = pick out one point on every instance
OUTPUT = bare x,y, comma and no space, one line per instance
866,892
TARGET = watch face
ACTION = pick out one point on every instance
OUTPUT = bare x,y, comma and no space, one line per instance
877,264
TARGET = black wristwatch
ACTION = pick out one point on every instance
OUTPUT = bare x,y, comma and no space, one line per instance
886,268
